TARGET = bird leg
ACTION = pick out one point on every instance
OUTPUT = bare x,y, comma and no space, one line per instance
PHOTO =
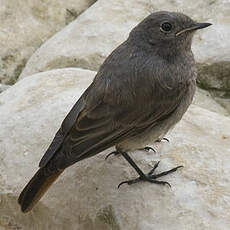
150,177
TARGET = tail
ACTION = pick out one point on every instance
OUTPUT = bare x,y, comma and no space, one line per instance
36,188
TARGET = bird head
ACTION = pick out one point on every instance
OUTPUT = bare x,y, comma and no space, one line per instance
167,30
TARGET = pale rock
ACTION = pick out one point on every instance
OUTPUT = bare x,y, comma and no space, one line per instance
3,87
205,100
88,40
26,24
216,79
86,196
225,102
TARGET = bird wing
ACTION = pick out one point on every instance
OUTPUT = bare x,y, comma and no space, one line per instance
67,124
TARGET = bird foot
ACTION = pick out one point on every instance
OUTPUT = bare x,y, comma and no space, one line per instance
148,148
112,153
150,177
163,139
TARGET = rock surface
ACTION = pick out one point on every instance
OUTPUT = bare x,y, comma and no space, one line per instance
204,100
216,79
88,40
224,102
26,24
3,87
86,196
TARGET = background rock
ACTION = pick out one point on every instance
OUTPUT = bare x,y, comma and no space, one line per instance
30,114
216,79
86,196
3,87
225,102
88,40
26,24
204,100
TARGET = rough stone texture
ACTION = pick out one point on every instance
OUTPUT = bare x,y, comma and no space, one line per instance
3,87
26,24
86,196
216,79
225,102
204,99
88,40
214,59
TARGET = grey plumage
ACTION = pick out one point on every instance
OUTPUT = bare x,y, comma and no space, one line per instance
141,91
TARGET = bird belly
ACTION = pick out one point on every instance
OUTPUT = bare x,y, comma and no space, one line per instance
160,129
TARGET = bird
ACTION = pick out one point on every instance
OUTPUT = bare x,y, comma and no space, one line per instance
142,89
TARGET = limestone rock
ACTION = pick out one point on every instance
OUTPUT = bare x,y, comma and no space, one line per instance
224,102
213,56
3,87
215,78
49,96
86,196
88,40
26,24
205,100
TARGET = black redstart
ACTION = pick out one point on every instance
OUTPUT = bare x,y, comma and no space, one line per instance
140,92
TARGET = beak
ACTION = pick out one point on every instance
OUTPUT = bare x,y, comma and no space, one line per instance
195,26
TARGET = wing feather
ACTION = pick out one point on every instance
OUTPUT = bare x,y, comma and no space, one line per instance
67,124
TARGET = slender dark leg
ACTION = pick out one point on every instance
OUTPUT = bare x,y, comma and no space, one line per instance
146,177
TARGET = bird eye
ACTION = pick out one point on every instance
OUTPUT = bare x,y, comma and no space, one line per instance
166,27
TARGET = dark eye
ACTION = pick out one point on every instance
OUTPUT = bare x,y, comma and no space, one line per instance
166,27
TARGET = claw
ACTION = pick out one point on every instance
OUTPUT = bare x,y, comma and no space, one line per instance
129,182
164,183
147,148
146,177
112,153
123,182
163,139
166,172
